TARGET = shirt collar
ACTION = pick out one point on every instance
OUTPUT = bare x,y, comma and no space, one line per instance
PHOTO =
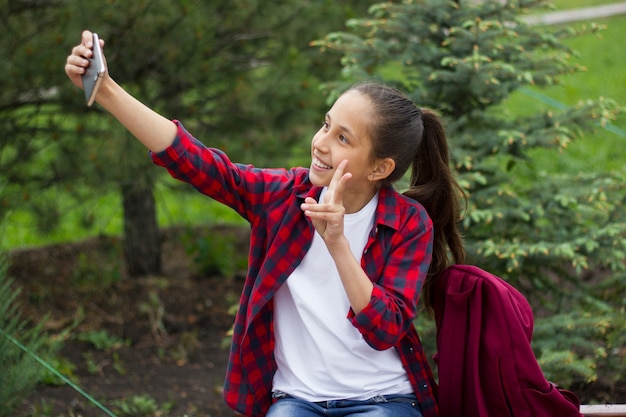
388,210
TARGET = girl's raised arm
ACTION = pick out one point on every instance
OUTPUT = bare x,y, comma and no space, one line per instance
150,128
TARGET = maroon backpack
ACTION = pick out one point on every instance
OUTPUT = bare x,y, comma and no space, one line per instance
485,362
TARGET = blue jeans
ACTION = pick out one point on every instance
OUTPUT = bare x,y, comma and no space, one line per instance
379,406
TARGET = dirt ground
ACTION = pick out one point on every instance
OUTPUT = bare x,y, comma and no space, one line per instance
166,337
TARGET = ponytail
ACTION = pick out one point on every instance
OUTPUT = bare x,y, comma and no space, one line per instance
415,137
434,186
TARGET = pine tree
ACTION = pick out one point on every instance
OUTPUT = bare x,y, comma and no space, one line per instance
549,235
232,71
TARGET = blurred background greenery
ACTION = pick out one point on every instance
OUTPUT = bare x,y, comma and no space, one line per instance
533,113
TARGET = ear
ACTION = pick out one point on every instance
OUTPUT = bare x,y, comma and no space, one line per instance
382,169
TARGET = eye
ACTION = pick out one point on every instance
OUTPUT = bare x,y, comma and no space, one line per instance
343,139
325,125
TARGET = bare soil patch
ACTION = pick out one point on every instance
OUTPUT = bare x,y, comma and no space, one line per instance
172,329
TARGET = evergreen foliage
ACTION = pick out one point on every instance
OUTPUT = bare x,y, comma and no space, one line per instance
232,71
20,372
561,239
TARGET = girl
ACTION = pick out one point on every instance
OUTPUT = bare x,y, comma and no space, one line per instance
337,257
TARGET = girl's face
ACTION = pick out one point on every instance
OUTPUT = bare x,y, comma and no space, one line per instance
345,135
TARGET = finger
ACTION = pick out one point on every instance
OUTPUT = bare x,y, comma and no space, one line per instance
331,197
322,209
80,56
341,168
86,45
308,202
336,196
87,39
82,51
73,70
76,64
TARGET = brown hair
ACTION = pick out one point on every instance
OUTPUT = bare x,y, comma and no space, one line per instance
416,137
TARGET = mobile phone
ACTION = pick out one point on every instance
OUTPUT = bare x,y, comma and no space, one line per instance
95,72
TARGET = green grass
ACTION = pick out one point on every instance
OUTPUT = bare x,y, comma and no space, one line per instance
605,60
19,228
577,4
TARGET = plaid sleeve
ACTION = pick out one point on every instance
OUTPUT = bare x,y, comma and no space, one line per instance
210,171
393,305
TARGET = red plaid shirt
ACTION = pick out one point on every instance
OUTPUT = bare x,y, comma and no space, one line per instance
396,258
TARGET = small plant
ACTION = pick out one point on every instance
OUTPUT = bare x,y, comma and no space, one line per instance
118,365
20,372
155,309
102,340
93,367
187,344
43,409
141,406
64,366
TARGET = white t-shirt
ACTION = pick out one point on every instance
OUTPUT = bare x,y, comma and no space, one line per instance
320,355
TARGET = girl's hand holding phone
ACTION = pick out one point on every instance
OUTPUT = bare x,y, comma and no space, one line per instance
86,65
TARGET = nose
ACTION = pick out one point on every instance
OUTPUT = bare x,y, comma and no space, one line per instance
320,141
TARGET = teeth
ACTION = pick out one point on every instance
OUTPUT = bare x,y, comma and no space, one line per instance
320,164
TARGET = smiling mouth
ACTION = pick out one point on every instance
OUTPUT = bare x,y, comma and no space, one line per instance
320,164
